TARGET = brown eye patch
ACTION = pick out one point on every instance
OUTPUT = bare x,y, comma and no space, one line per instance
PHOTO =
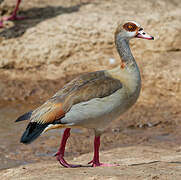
130,27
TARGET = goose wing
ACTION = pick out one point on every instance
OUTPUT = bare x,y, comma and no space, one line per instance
84,88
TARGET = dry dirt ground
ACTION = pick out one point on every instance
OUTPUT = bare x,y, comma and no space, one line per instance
61,39
135,163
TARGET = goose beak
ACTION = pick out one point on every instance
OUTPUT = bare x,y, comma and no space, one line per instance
143,35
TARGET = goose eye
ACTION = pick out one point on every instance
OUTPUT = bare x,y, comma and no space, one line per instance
130,27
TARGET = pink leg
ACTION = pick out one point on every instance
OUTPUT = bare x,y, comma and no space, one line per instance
1,23
13,16
60,153
95,162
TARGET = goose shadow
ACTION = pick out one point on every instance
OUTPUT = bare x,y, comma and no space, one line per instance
36,15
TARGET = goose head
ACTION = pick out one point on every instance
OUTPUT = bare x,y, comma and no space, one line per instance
131,29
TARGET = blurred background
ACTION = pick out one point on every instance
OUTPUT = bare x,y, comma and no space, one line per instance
59,40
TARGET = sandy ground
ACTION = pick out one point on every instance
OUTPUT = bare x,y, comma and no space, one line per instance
61,39
134,163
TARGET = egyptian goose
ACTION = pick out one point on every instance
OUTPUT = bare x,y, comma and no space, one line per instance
91,100
13,16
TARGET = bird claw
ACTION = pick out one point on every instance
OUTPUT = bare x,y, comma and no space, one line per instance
13,18
56,154
105,165
90,162
1,24
64,163
10,18
98,164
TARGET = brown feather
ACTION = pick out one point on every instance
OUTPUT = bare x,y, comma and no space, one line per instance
47,113
86,87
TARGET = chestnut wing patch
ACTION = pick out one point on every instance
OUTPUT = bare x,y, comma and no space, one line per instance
47,113
85,87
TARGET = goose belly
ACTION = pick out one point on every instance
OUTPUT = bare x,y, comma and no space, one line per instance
98,112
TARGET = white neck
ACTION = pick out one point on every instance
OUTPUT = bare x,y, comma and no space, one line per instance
128,73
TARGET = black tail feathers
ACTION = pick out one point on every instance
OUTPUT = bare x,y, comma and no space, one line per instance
25,116
32,131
